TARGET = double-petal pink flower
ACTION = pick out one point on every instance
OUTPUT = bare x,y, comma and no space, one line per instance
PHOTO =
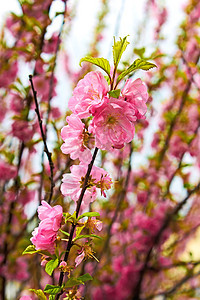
73,182
113,125
45,234
75,139
135,93
89,94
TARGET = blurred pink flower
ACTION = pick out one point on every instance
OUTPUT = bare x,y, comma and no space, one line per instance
7,171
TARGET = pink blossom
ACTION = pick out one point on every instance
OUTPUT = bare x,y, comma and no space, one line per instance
94,224
16,103
7,171
16,270
25,298
45,234
41,84
45,211
73,182
135,92
89,94
63,264
79,259
113,125
51,44
75,138
23,130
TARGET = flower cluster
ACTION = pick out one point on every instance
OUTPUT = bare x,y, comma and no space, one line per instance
45,235
113,118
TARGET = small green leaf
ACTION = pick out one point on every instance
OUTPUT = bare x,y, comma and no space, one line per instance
86,236
29,250
99,62
52,289
39,293
79,229
64,232
89,214
140,52
136,65
52,297
51,265
114,93
118,49
85,277
69,216
72,282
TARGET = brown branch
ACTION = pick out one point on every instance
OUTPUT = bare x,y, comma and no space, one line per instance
46,150
174,288
156,239
173,122
70,242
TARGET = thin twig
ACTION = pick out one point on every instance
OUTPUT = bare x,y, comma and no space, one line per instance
46,150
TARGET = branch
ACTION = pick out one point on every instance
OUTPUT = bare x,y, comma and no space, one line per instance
173,122
70,243
156,239
174,288
46,150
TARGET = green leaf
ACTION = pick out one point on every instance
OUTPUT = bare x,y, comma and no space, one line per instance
69,216
99,62
52,297
39,293
136,65
29,250
85,277
64,232
140,51
79,229
72,282
51,265
114,93
118,49
52,289
89,214
86,236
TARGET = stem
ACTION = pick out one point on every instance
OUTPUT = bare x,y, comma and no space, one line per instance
46,150
70,242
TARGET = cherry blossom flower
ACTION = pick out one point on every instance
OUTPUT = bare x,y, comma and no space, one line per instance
135,92
45,234
112,125
73,182
89,94
75,138
94,224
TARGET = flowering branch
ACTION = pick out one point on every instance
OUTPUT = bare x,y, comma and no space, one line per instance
168,219
70,243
